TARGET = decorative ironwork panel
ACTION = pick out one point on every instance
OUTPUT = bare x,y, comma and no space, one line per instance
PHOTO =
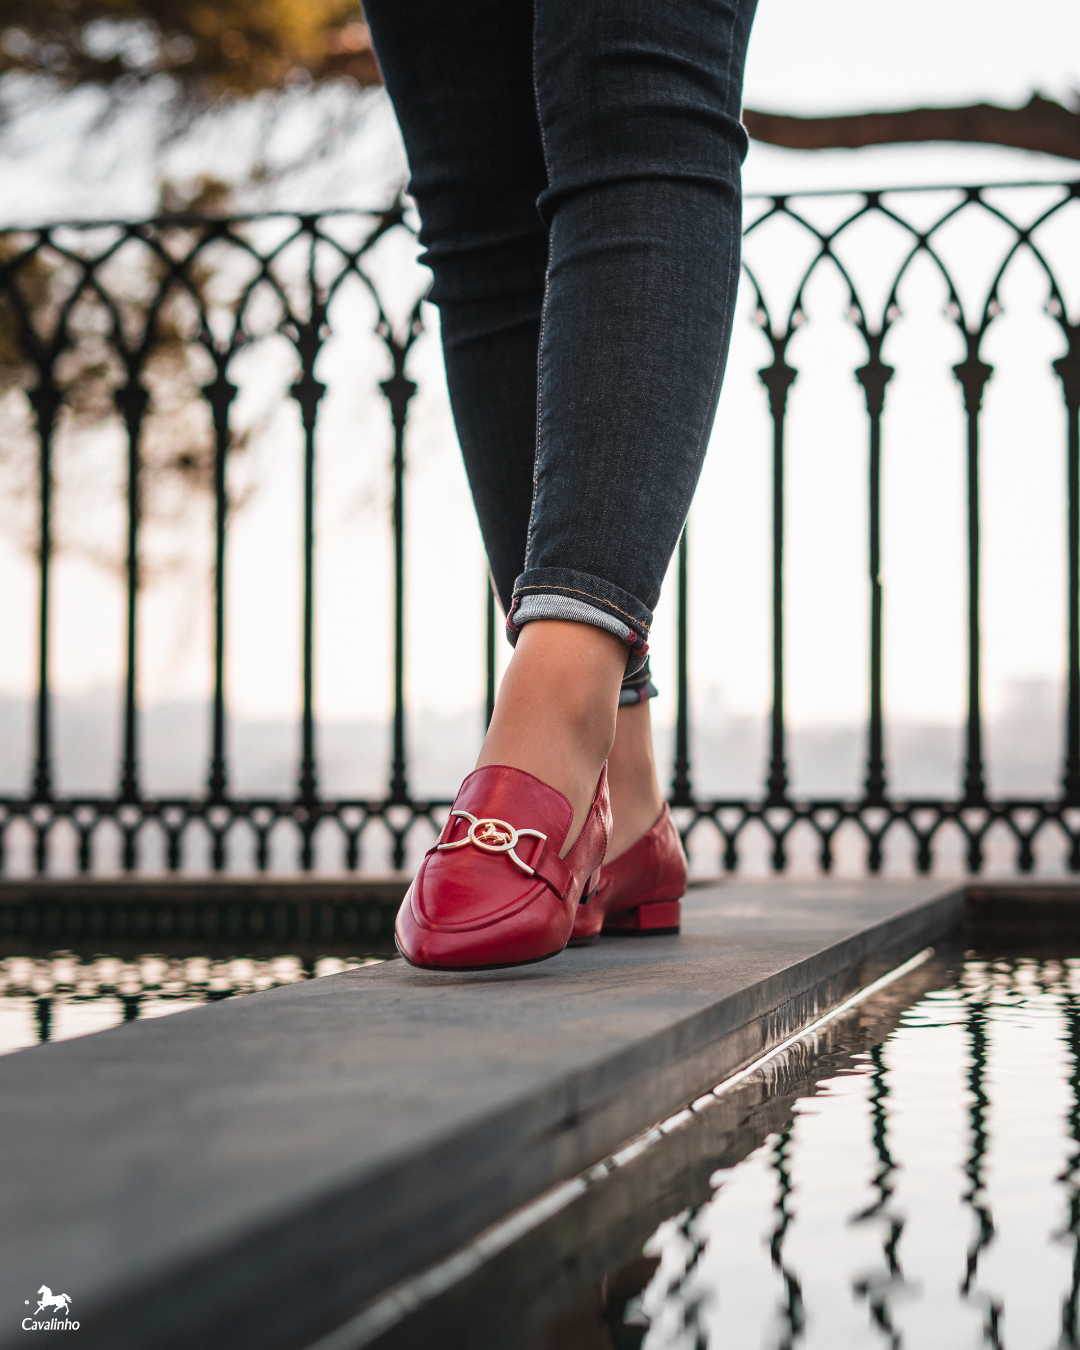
107,304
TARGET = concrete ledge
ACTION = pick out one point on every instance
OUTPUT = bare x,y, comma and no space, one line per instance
306,916
251,1173
1024,912
540,1292
253,915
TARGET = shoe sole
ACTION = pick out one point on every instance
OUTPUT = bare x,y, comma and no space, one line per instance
653,919
639,932
462,970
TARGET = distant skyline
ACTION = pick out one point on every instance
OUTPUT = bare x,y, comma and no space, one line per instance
728,753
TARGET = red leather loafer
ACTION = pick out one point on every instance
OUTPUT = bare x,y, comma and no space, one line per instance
493,890
640,890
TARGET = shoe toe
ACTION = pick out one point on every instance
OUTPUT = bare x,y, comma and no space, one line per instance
432,930
476,902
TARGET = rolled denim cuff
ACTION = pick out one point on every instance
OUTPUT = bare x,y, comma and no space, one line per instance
555,593
637,688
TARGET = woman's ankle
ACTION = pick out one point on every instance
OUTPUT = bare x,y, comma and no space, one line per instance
636,802
555,715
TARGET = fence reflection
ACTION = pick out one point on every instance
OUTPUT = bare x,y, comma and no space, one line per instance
65,995
1070,1329
878,1290
1008,1038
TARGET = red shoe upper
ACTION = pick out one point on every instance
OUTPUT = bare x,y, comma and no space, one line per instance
652,869
492,892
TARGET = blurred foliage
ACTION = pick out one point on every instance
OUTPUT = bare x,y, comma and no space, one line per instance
60,337
53,330
208,48
33,281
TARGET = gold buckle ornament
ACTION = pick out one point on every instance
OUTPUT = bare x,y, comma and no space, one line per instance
493,836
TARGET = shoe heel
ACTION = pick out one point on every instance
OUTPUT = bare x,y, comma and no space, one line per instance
656,919
586,922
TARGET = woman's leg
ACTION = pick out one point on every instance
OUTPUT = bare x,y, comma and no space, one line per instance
555,713
636,802
638,177
639,108
460,78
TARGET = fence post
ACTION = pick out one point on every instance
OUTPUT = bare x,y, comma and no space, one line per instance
681,793
778,379
874,377
973,375
219,395
132,401
1068,370
45,401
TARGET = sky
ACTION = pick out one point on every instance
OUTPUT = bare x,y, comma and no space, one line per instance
840,55
831,56
835,55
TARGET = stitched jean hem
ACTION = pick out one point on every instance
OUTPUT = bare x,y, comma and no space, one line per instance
554,593
637,690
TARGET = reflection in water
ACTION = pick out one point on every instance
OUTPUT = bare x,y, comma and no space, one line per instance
794,1313
64,995
1068,1178
906,1176
924,1193
975,1196
879,1287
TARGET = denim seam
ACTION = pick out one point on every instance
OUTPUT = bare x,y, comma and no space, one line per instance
705,431
544,308
573,591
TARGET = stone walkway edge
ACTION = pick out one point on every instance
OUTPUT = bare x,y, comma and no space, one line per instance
258,1171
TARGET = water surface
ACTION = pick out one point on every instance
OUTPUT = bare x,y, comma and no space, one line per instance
56,997
909,1176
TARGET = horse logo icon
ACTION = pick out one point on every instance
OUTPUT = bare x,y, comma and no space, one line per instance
61,1302
493,836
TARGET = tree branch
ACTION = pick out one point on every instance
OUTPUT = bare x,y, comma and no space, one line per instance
1041,125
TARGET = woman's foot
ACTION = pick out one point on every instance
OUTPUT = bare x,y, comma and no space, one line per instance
555,716
494,890
644,873
531,824
636,802
640,891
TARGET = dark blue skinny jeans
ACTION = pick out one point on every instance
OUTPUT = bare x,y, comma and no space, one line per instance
576,167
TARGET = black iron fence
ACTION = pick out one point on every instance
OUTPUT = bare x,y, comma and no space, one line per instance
108,310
